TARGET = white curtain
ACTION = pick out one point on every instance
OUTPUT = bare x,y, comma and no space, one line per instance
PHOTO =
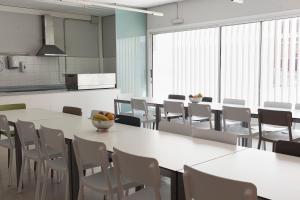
240,54
280,74
186,63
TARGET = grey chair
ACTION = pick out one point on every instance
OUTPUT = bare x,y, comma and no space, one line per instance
140,109
199,185
90,155
240,102
281,105
30,151
141,170
174,109
9,143
53,140
173,127
72,110
242,115
213,135
199,115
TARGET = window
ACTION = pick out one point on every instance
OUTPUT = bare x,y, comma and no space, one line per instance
240,62
280,75
186,63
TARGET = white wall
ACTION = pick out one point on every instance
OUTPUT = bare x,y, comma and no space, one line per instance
203,11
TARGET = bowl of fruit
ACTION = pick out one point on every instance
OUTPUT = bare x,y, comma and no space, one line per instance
103,120
195,98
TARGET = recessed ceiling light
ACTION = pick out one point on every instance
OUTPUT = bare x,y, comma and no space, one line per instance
238,1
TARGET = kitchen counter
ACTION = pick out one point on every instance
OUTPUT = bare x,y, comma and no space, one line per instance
98,99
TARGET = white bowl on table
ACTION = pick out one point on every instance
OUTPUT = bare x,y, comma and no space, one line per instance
103,126
195,99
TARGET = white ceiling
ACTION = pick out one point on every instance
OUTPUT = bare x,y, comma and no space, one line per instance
39,4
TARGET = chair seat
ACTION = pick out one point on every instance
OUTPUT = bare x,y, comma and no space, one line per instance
98,182
280,135
58,164
201,124
242,131
144,119
33,154
6,144
148,193
201,119
270,128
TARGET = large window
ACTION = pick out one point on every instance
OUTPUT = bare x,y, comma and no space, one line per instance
257,62
186,63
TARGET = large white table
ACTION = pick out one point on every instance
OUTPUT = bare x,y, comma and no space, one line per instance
215,107
276,176
172,151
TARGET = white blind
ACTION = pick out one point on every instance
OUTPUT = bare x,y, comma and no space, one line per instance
240,54
280,77
186,63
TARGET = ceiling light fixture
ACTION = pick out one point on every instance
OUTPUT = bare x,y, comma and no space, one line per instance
238,1
93,4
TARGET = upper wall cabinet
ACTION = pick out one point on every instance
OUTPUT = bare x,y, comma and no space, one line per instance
81,38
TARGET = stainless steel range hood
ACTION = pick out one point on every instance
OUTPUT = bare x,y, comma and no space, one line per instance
49,48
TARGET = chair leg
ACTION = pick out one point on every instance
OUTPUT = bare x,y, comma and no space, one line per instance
45,183
259,143
81,192
38,182
67,185
11,156
22,174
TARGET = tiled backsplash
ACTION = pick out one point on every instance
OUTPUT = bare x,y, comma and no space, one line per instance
38,71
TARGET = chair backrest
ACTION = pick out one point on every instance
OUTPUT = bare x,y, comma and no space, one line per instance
4,128
176,96
213,135
173,127
174,107
277,118
52,140
128,120
18,106
72,110
123,96
288,148
207,99
199,185
297,106
139,105
27,134
138,169
241,102
273,104
200,110
237,114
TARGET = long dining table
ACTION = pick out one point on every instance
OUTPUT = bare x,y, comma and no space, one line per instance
171,150
216,109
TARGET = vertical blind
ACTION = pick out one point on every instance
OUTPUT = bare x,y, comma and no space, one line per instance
259,62
280,76
240,62
186,63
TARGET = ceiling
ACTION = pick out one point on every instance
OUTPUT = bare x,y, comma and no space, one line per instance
39,4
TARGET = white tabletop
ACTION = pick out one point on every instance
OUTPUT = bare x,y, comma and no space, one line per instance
31,114
276,176
172,151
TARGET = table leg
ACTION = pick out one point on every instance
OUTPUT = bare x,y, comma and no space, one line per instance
218,126
116,107
180,187
73,171
158,115
173,176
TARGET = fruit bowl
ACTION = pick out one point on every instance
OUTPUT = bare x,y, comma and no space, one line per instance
195,99
103,121
103,125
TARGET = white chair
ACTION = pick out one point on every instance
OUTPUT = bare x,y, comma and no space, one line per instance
140,110
199,115
140,170
199,185
240,102
90,155
174,109
173,127
242,115
9,143
30,151
54,140
281,105
213,135
124,109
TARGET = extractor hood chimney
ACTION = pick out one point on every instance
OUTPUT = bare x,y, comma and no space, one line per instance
49,48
